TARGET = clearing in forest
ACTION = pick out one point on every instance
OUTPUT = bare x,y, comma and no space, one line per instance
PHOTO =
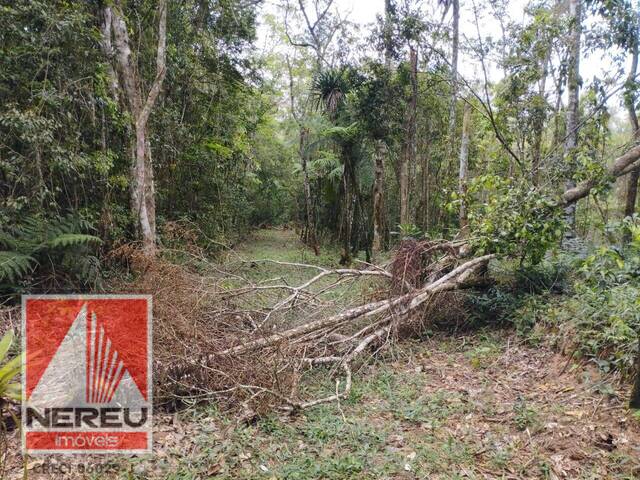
479,404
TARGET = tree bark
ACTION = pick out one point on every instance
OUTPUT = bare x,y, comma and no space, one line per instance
309,234
347,211
623,165
388,34
455,42
464,171
536,155
573,92
378,196
632,181
142,187
107,50
409,146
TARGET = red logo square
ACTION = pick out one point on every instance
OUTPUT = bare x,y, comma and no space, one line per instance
86,380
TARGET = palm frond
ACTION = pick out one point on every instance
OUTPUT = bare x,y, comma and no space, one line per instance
330,88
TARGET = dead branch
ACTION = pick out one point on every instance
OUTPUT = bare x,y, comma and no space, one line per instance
412,299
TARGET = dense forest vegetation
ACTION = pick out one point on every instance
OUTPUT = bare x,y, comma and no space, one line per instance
119,120
444,139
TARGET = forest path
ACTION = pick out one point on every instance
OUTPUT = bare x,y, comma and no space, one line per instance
478,405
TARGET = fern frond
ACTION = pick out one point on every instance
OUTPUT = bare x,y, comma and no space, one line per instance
14,265
8,241
64,240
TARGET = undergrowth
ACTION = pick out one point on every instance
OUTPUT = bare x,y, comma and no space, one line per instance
597,318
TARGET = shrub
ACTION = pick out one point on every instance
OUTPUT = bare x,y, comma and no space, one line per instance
600,319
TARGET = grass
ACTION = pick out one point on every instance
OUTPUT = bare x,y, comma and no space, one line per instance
474,406
250,261
372,438
413,414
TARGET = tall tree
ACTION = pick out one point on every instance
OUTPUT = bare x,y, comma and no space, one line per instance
463,172
380,148
572,113
630,103
143,202
455,45
408,156
318,33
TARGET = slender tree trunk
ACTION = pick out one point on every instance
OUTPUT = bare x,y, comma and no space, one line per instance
536,155
455,41
107,50
632,184
426,188
572,121
409,148
464,170
632,181
378,197
380,147
309,233
388,34
142,188
347,213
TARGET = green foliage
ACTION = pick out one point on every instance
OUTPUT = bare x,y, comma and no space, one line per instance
10,370
31,247
330,88
409,230
14,265
514,221
524,416
611,265
601,317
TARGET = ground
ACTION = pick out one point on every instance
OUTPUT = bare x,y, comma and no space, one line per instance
483,405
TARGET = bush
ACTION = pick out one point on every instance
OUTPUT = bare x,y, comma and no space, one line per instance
600,319
602,324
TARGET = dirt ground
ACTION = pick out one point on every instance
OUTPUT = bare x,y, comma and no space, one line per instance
479,406
483,405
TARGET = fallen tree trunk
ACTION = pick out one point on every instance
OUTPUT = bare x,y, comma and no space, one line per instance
406,303
624,164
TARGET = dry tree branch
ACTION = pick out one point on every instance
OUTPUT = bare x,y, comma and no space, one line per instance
413,300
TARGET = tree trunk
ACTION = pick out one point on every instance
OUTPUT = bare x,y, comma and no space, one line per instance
347,214
455,41
409,147
378,197
309,234
464,171
632,181
572,121
538,127
142,184
388,34
625,164
107,50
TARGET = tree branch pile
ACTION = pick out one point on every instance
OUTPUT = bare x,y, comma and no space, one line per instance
245,353
251,343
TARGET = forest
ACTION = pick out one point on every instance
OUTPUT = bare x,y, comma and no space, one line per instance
383,238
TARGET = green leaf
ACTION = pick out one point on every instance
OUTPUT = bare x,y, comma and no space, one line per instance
13,391
71,239
10,369
14,265
5,344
